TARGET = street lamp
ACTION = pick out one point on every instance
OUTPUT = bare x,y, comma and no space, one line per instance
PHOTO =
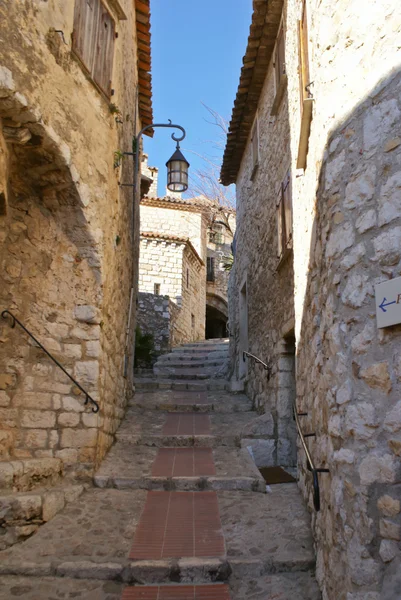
177,166
177,172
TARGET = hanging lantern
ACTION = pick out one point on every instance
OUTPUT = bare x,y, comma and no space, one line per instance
177,172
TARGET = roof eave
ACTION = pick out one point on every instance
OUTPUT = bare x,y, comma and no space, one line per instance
263,32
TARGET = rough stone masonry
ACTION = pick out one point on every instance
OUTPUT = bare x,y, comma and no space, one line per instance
68,249
316,306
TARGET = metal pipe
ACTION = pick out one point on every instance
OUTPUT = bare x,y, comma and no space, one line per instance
245,353
136,140
88,398
125,372
310,464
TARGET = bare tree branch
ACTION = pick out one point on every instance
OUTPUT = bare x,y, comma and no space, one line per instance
206,181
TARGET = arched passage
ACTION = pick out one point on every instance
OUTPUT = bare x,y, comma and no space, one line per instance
216,317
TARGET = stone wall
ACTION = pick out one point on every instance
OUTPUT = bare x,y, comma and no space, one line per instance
177,269
346,238
269,281
219,251
188,223
154,317
192,321
68,251
161,262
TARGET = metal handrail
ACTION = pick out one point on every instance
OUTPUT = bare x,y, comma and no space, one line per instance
88,398
309,461
258,360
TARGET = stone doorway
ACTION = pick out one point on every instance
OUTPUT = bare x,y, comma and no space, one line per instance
286,395
216,323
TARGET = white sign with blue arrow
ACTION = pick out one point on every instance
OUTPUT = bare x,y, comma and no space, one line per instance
388,302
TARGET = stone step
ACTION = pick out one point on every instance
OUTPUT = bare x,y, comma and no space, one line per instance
264,534
144,383
283,586
183,362
21,514
182,469
196,351
197,373
28,473
191,401
207,344
170,429
53,588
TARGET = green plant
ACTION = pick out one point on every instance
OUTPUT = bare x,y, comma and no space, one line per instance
118,158
228,262
114,110
144,349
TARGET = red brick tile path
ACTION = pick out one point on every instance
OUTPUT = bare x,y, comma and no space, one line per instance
186,424
184,462
177,592
179,524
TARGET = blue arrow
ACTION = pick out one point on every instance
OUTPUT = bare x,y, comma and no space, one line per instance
382,305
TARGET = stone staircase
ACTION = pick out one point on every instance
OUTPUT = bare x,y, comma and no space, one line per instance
32,492
178,510
197,366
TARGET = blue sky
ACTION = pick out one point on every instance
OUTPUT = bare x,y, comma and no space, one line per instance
197,50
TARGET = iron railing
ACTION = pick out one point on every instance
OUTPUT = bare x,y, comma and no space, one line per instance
258,360
6,313
309,461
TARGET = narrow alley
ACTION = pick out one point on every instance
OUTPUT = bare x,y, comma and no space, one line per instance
178,509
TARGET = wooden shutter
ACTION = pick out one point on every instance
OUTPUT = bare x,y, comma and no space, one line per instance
86,18
287,209
103,64
280,57
255,143
303,54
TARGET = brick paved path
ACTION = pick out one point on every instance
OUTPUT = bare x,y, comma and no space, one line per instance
179,512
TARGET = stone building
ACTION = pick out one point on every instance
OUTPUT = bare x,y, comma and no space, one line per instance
69,232
182,284
314,147
219,251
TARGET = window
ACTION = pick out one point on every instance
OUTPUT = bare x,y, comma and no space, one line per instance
210,268
193,321
93,41
255,146
280,76
284,217
187,277
157,289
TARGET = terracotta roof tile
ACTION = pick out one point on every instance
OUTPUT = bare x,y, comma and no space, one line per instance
263,31
142,8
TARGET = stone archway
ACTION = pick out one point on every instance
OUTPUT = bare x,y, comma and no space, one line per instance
216,316
51,279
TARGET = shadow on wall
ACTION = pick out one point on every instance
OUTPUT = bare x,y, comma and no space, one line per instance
51,279
348,370
156,320
216,323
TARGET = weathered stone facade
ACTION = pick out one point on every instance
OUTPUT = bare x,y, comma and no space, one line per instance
220,237
318,301
68,248
170,265
181,239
